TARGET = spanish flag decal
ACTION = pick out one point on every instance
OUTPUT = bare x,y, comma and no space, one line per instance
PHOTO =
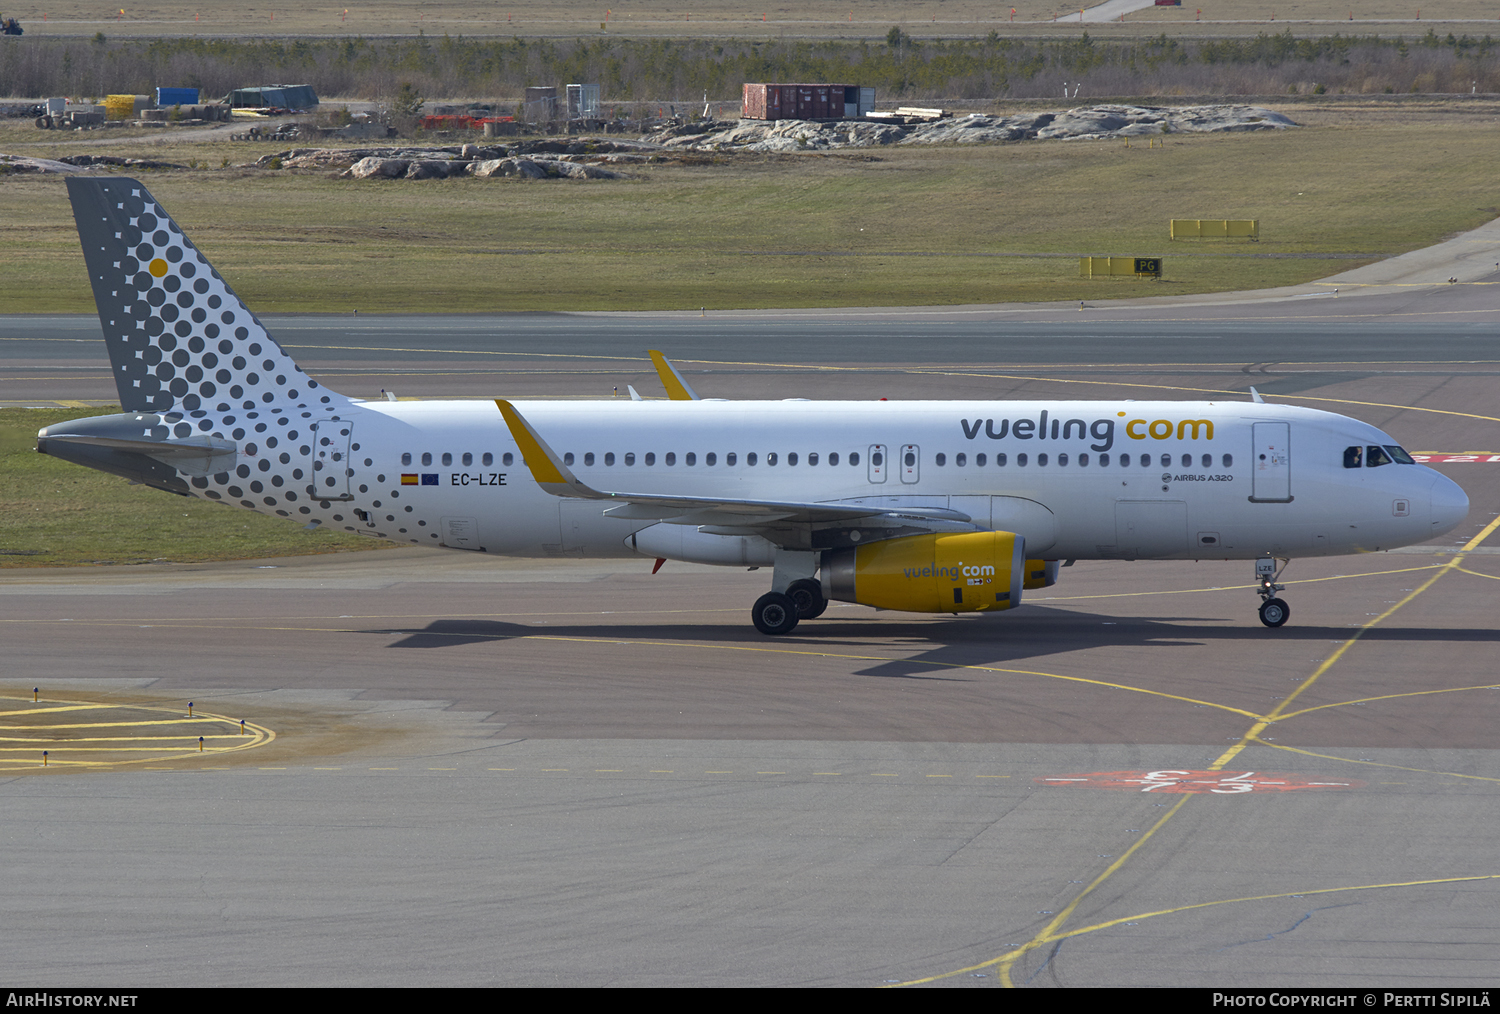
408,478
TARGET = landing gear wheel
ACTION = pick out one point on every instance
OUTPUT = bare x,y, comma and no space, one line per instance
807,596
774,613
1274,612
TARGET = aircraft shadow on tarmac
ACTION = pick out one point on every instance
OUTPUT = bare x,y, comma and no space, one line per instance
966,641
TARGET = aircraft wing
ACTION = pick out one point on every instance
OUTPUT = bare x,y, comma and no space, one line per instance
556,478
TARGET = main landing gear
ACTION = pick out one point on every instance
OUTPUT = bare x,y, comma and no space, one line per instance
1273,611
779,612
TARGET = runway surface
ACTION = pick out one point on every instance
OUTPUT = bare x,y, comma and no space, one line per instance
575,773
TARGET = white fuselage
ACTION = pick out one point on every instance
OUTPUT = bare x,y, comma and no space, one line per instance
1080,480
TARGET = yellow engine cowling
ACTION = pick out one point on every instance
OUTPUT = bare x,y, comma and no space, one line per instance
1041,574
959,573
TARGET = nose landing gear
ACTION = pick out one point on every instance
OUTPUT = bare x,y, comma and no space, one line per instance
1273,611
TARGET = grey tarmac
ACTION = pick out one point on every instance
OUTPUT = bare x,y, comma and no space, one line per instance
577,773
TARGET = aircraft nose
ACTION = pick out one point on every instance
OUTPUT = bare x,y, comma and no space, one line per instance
1450,505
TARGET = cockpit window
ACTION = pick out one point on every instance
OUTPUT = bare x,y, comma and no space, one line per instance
1400,456
1375,456
1354,457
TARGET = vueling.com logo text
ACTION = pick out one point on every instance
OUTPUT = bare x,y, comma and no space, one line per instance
1163,429
957,570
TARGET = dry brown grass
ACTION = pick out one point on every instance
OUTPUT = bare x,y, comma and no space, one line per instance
885,227
870,19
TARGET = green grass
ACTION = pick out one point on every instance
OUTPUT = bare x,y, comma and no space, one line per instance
56,514
882,227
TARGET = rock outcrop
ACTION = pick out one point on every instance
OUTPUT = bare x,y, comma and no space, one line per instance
1083,123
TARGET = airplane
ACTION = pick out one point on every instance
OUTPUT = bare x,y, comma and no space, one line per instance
925,506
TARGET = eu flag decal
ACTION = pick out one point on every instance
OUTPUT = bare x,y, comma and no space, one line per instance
429,479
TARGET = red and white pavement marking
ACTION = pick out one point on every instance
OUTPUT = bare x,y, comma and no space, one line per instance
1223,783
1444,458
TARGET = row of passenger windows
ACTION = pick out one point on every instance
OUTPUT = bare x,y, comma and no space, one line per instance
447,459
711,458
1081,460
1375,455
960,460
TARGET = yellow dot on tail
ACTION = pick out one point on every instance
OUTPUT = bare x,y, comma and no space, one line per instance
157,267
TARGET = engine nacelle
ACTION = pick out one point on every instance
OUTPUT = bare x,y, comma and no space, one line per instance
958,573
1041,574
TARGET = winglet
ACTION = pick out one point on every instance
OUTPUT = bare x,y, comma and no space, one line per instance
1255,397
677,388
546,467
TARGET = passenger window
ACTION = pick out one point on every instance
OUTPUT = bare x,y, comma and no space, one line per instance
853,458
1146,460
812,458
1021,460
508,458
650,458
629,457
406,458
670,459
588,458
1354,457
833,458
1166,461
1208,461
730,458
468,459
567,458
1041,459
1228,460
960,459
710,459
940,459
791,459
1000,460
609,457
426,457
750,458
487,460
1187,461
1062,459
1083,459
771,458
1103,460
1375,456
690,458
447,459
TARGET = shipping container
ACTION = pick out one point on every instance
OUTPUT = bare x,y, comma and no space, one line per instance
176,96
806,101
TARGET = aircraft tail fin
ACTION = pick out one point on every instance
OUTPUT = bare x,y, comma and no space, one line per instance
179,338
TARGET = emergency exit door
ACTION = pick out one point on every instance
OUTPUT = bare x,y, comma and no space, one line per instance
1271,463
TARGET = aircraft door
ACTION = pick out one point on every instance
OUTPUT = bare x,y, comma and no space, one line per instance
876,462
1271,480
911,463
330,459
